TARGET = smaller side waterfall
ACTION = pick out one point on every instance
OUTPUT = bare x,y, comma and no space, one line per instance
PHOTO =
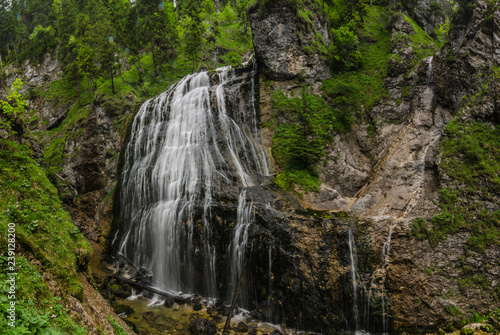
430,74
354,261
385,263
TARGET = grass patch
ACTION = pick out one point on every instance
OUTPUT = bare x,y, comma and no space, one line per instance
43,227
37,310
471,160
360,90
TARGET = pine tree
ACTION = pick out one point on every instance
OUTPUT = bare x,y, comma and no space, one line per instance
7,27
241,10
193,33
157,27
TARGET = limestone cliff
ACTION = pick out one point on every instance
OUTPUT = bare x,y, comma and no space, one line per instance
290,41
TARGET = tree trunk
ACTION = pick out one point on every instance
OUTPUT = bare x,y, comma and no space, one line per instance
112,82
153,53
176,298
235,299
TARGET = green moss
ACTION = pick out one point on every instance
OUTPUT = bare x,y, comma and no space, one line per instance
43,227
118,329
419,229
467,331
37,310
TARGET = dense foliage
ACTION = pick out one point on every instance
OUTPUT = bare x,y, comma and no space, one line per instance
306,124
97,41
10,108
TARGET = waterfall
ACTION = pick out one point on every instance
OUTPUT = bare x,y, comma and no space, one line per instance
430,73
354,261
385,263
180,149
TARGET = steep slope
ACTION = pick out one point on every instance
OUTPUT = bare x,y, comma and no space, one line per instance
50,294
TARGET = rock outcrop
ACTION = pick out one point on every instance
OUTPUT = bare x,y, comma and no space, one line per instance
286,44
429,14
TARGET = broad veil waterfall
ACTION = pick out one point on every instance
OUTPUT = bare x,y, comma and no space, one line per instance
198,136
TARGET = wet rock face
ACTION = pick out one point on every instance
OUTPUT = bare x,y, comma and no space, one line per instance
430,13
279,38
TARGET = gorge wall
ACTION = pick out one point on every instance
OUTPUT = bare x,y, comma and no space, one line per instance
394,177
373,184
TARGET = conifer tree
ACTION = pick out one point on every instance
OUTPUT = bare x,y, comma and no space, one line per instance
194,32
157,27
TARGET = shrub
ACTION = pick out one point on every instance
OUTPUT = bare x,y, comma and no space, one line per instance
344,53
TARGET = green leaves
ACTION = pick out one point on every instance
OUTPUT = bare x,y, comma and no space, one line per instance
306,124
300,141
344,53
11,107
43,35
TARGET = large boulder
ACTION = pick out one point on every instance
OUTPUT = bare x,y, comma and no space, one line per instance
202,327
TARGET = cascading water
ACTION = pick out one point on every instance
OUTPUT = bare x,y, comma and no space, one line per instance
240,238
430,74
179,150
354,261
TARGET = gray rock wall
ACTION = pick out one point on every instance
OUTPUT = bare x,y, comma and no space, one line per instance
281,40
